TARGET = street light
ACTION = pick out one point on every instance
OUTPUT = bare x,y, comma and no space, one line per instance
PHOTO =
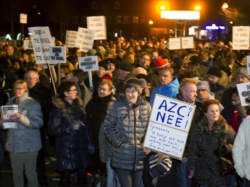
150,22
225,6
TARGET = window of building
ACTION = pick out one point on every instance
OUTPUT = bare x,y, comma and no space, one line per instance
126,19
118,19
135,19
116,5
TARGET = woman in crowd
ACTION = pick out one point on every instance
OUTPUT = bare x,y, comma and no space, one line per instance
124,125
73,141
210,145
24,141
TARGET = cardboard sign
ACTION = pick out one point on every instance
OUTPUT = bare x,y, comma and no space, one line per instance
41,41
98,24
2,39
57,54
244,93
174,43
27,44
187,42
169,126
241,37
85,39
89,63
71,37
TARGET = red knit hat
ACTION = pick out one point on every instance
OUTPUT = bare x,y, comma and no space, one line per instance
108,77
161,63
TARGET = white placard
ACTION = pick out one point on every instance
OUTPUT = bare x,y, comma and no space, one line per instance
169,126
71,37
85,39
98,24
27,44
89,63
187,42
241,37
248,65
8,114
23,18
57,54
174,43
41,41
244,93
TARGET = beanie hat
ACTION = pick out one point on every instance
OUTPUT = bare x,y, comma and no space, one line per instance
91,52
195,59
125,66
103,64
135,83
214,71
178,61
161,63
107,77
112,61
234,91
99,55
242,71
144,79
203,85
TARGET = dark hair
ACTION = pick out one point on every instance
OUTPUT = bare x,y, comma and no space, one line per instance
209,102
79,74
64,87
142,139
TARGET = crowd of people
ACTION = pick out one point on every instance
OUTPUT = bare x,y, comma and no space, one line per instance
100,129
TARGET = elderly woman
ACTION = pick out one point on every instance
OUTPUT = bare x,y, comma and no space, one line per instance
124,125
68,124
211,143
24,142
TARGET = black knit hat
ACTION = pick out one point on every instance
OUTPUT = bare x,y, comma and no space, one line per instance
214,71
125,66
103,64
135,83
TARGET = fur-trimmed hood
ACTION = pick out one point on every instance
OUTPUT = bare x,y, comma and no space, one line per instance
60,103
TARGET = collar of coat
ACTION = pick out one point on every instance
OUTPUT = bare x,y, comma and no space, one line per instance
61,103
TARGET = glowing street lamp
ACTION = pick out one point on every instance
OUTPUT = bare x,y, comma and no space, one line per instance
225,6
198,7
150,22
163,7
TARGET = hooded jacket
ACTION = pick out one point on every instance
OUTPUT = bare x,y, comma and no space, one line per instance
71,143
124,126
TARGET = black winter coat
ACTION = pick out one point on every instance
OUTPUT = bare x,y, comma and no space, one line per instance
71,145
206,149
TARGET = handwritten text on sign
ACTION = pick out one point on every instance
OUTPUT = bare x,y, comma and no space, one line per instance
98,24
241,37
89,63
174,117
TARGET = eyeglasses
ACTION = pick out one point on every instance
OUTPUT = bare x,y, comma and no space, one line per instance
19,89
75,90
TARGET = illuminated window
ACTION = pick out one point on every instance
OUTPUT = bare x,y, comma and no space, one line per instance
118,19
135,19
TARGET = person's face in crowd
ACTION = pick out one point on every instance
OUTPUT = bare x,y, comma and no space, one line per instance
131,95
145,61
165,77
26,57
241,79
203,94
38,67
10,50
122,74
31,78
235,99
213,113
103,90
190,93
19,90
120,54
78,53
145,150
32,57
212,79
16,66
154,56
111,67
101,72
131,58
71,94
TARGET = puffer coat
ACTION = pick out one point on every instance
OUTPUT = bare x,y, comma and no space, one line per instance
71,144
206,149
124,126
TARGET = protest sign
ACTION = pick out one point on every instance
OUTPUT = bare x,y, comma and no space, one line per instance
71,37
57,54
174,43
248,65
169,126
241,37
244,93
98,25
27,44
187,42
85,39
41,41
8,114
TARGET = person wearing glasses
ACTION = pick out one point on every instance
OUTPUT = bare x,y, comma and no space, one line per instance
24,142
72,133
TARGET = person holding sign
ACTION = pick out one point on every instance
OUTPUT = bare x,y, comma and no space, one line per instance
24,142
211,145
125,125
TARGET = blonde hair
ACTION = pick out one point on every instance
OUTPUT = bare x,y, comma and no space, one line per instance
21,82
185,82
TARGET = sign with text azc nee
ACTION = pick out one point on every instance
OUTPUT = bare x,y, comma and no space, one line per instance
169,126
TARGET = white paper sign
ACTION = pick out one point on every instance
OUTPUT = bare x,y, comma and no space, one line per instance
27,44
174,43
244,93
187,42
8,114
241,37
98,24
57,54
41,41
169,126
85,39
71,37
89,63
